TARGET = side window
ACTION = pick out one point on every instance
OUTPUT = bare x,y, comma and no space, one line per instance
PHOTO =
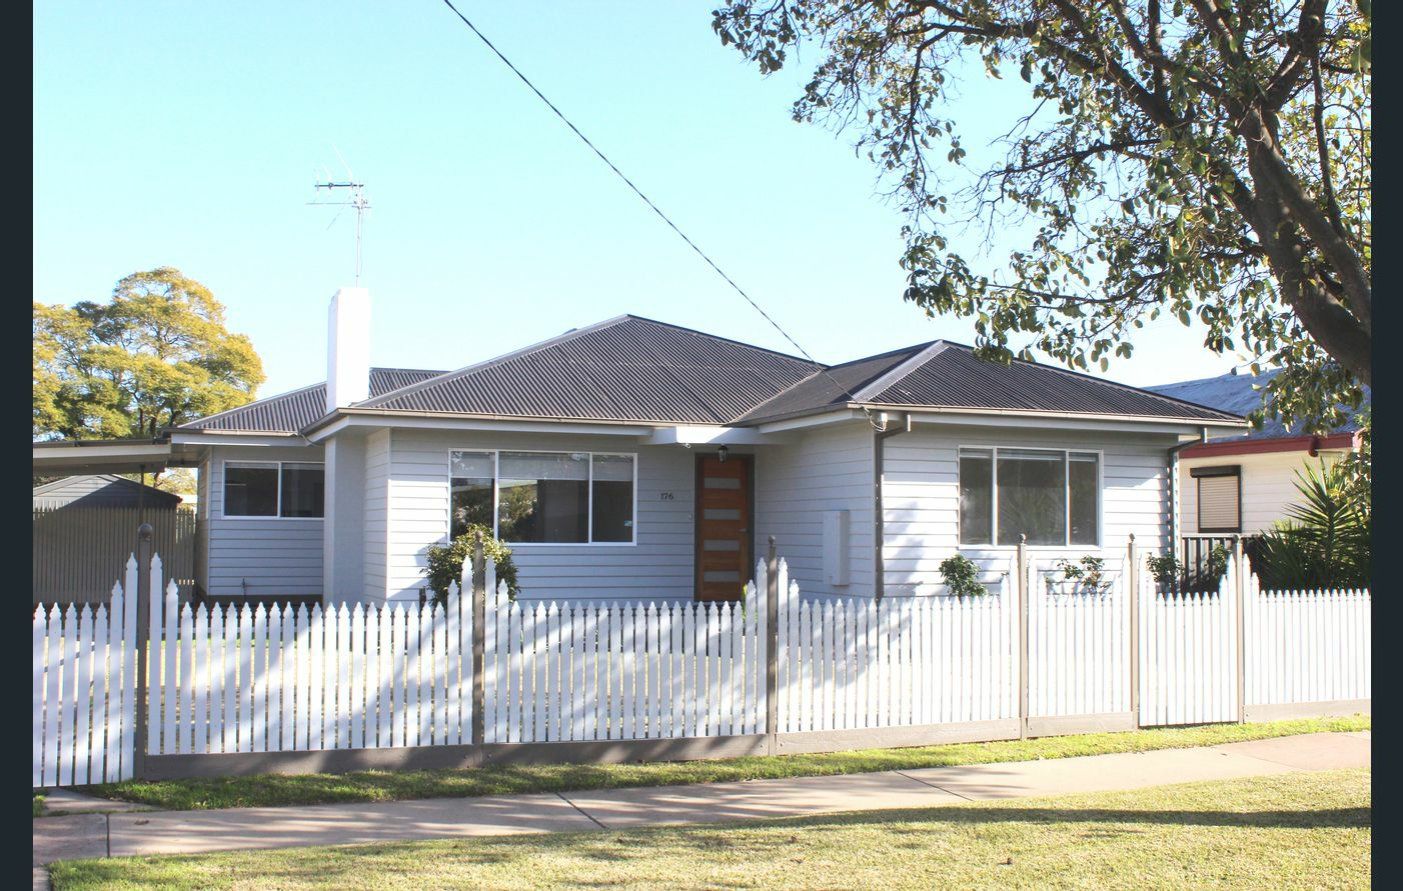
250,489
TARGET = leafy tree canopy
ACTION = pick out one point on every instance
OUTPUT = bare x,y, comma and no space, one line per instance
156,355
1208,159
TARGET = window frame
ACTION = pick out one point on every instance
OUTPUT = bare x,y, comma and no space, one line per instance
1198,474
1066,452
496,454
254,462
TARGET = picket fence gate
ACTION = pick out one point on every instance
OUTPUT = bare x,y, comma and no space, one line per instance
257,680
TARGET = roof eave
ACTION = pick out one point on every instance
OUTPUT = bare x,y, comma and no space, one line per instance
1231,424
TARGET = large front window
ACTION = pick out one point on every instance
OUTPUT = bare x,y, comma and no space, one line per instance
1051,496
544,497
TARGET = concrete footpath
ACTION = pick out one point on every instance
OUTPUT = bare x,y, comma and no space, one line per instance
171,832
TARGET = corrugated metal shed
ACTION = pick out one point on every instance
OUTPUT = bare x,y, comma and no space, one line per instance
1235,393
101,490
290,412
624,369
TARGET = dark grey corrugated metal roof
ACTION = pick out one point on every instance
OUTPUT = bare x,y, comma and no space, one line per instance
948,375
290,412
1235,393
636,369
832,387
624,369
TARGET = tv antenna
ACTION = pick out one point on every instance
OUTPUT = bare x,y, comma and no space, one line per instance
356,200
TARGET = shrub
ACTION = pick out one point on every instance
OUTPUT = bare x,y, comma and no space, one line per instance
1324,542
1173,574
1089,573
961,576
446,561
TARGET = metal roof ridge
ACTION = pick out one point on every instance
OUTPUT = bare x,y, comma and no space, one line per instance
699,333
869,391
821,370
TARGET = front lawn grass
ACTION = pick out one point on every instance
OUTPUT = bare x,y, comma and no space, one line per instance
271,790
1300,830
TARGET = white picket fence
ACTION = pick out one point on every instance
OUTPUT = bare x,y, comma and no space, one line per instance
84,678
1078,646
1188,655
852,662
223,680
584,671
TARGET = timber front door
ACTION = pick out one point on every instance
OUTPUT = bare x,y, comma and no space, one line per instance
723,526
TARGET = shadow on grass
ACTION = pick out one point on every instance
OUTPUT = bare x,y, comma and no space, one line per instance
759,841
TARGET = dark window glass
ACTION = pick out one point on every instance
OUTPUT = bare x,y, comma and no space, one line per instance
544,497
1032,497
304,490
471,491
1083,483
613,498
250,490
976,497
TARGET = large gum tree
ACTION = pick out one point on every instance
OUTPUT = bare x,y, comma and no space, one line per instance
1202,158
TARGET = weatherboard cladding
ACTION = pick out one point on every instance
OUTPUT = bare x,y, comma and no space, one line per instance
290,412
626,369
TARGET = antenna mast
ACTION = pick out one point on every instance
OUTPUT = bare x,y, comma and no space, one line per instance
358,201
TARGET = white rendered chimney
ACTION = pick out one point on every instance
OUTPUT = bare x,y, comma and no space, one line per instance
348,348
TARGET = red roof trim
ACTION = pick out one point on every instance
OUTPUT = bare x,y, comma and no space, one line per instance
1310,444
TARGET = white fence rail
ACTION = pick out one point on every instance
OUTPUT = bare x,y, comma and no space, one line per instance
222,680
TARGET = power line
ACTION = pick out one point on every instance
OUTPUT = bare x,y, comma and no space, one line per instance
648,201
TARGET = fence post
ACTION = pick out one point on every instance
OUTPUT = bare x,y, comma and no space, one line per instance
1023,636
771,648
143,636
479,595
1239,583
1132,591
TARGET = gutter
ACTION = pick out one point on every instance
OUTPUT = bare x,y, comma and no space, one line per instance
1173,453
878,521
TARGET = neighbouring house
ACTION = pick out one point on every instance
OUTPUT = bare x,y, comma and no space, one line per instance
633,458
1245,482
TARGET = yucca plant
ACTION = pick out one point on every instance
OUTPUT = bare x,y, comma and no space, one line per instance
1325,542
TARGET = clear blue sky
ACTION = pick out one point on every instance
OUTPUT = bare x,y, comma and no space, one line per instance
189,135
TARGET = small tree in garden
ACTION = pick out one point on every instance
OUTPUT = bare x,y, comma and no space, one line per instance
961,576
445,562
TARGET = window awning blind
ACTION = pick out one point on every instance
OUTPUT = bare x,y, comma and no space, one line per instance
1218,507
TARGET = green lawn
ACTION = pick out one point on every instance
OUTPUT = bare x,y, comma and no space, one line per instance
1303,830
273,790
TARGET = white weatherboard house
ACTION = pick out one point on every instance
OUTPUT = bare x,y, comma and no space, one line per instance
633,458
1246,483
